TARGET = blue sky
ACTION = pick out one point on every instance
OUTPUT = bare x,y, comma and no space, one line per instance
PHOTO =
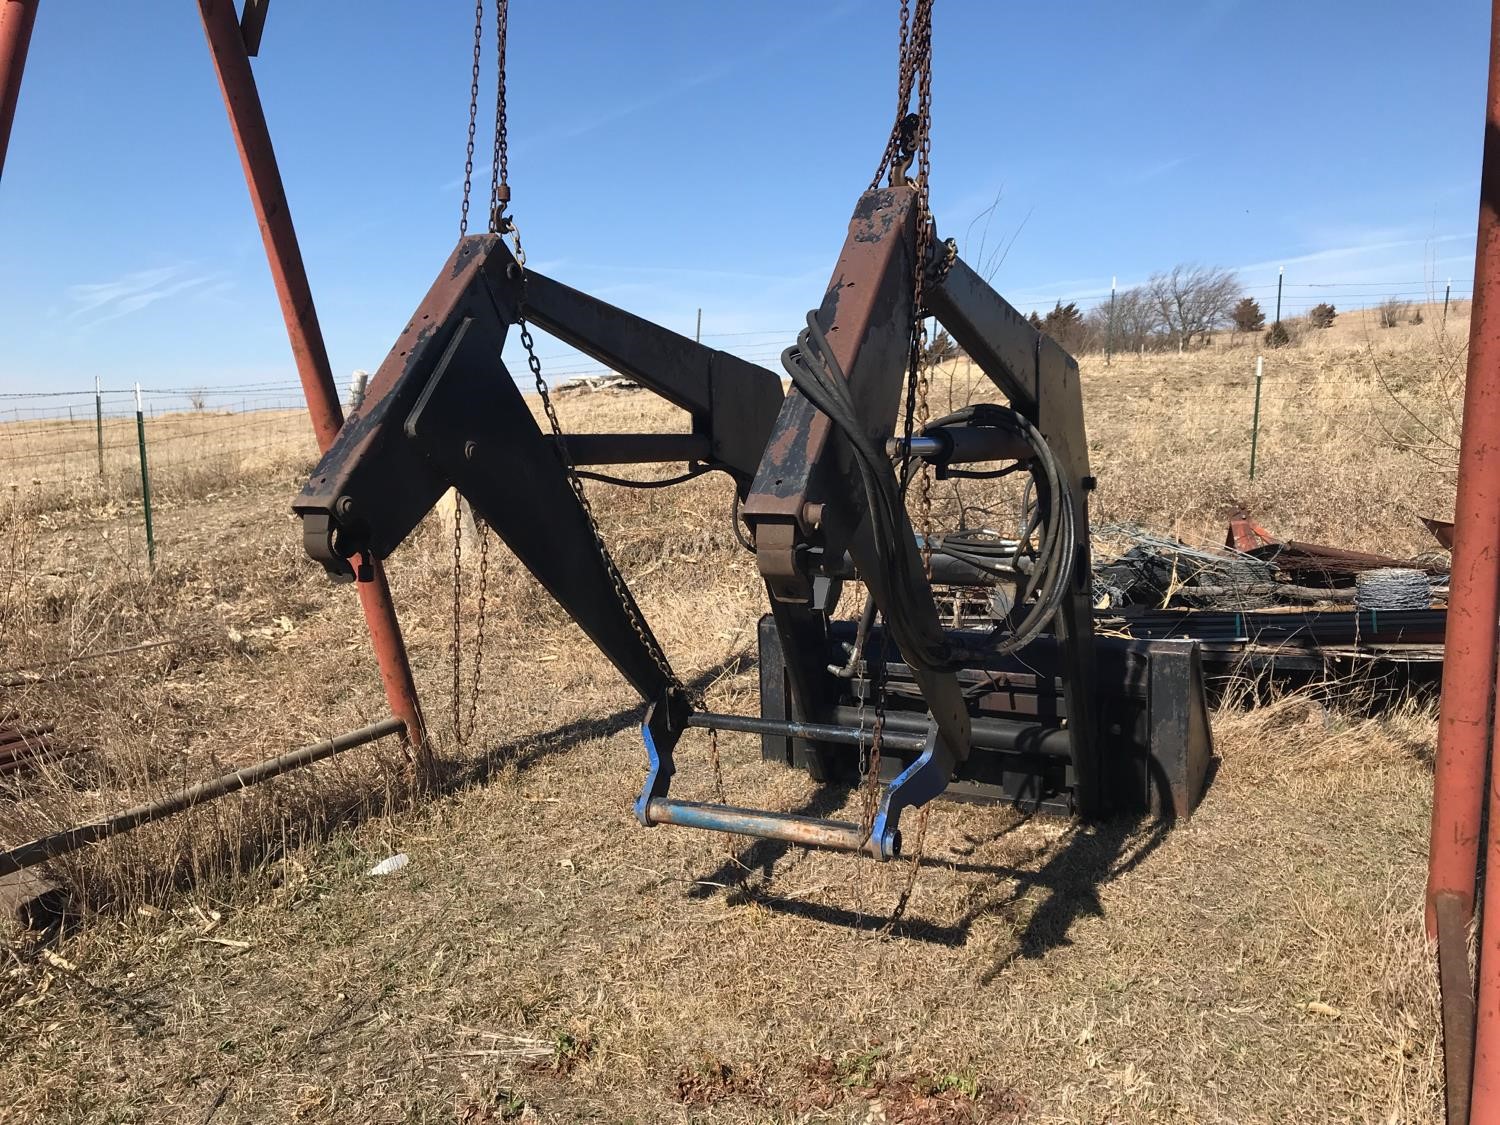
668,156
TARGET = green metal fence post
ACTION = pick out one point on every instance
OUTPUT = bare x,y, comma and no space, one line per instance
140,433
99,425
1255,421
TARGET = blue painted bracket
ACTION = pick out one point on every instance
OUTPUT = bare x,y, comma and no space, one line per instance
917,784
665,721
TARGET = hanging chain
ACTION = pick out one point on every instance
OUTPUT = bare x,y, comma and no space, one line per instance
463,218
455,644
499,195
910,142
505,224
617,580
916,866
903,98
920,51
500,164
482,529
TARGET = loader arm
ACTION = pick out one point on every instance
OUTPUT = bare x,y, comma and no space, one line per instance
443,411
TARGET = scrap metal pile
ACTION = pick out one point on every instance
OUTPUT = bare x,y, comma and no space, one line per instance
1259,603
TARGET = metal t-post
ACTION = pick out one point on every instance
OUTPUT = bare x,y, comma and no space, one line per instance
99,424
140,437
1260,364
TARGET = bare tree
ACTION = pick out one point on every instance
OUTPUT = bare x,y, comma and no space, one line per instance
1193,300
1136,325
1393,310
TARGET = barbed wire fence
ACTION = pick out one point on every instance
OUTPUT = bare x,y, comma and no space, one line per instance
89,450
80,447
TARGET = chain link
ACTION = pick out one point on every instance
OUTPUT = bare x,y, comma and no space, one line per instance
482,529
617,580
463,218
500,164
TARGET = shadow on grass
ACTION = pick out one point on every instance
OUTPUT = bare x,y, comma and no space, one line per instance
1069,875
455,774
289,821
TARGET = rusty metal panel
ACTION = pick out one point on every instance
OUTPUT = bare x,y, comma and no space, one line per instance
866,313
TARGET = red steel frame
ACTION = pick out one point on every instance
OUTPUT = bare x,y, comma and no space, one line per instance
258,157
16,20
253,139
1466,724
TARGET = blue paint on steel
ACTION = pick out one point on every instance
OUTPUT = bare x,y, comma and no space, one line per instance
917,784
654,779
663,726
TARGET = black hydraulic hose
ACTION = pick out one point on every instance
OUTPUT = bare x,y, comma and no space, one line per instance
816,373
1049,578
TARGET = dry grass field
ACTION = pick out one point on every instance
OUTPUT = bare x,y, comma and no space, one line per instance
543,958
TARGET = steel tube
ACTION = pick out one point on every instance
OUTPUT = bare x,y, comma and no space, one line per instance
816,732
807,831
964,445
1464,717
638,449
1467,714
71,839
17,17
1012,735
258,159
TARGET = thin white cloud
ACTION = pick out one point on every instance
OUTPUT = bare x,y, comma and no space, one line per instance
1357,249
87,298
1152,171
96,303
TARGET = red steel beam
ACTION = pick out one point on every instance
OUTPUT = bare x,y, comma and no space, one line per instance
16,20
1464,718
257,156
1466,731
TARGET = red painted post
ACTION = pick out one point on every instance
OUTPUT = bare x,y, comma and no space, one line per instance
1466,722
258,157
16,20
